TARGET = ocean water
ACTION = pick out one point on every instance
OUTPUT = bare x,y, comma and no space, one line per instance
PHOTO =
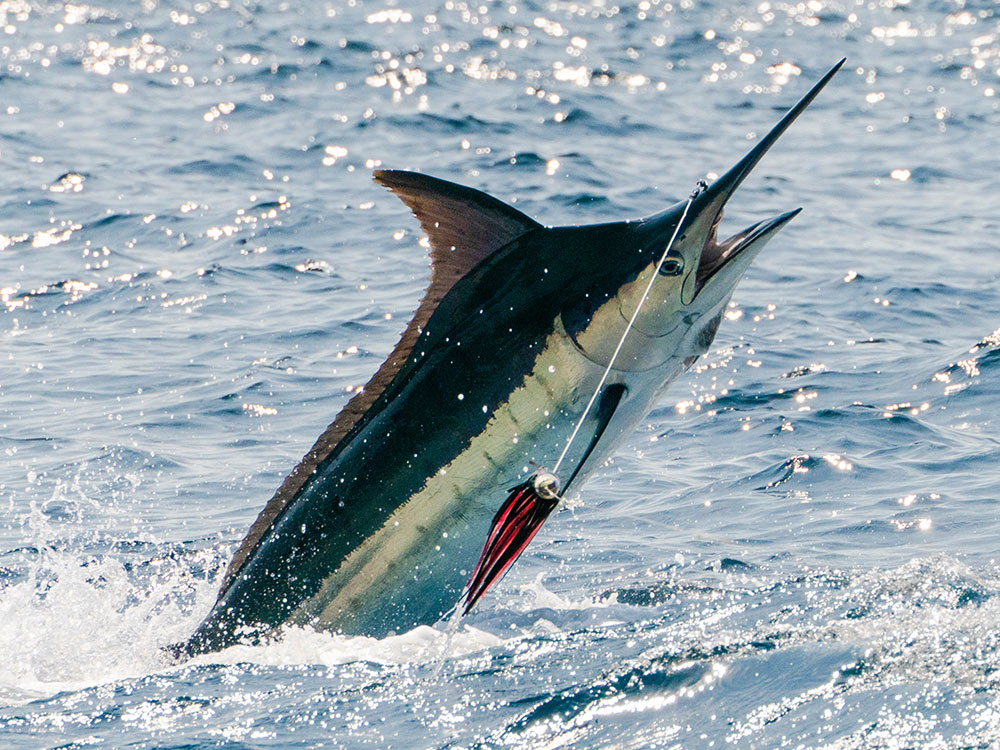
797,549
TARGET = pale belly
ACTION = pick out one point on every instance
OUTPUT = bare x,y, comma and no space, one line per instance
413,569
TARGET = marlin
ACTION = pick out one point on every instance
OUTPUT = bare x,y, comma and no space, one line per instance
525,333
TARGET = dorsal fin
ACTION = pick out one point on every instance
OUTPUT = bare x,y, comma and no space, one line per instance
464,227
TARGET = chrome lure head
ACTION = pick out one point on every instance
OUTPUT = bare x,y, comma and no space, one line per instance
697,276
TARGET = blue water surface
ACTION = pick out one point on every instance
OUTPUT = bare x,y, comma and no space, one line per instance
799,546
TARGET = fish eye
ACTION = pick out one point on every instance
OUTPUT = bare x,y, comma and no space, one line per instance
673,265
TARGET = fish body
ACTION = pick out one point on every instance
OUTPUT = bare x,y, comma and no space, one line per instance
379,527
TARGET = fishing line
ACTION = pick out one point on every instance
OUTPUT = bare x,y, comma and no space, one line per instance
701,185
529,503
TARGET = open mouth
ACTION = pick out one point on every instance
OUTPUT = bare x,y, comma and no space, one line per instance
717,255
